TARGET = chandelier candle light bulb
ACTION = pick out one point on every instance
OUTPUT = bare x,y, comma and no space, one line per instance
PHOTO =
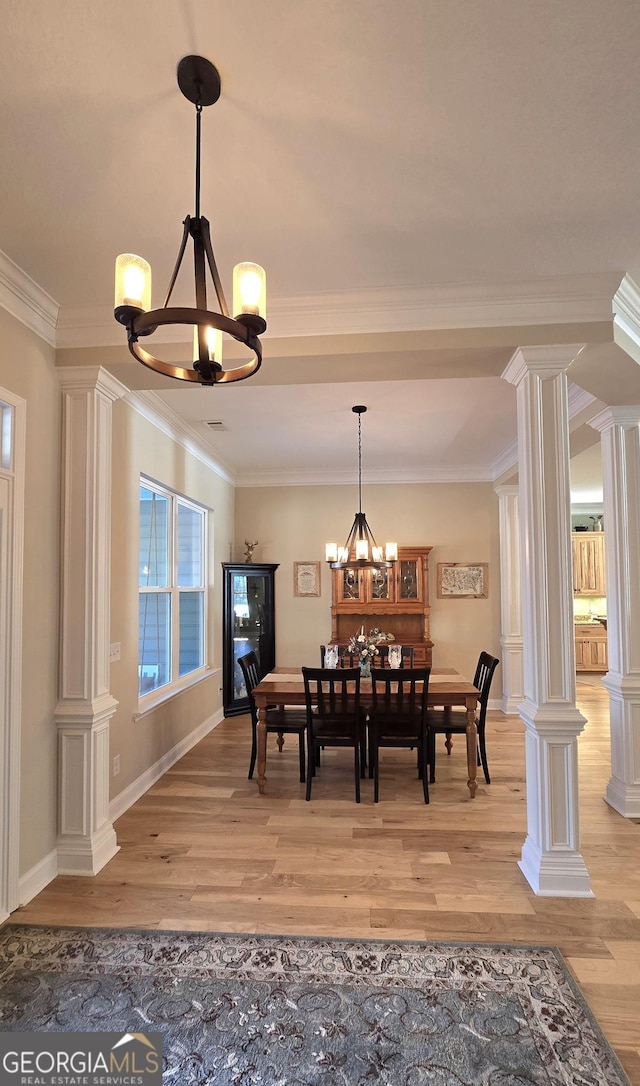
249,290
133,282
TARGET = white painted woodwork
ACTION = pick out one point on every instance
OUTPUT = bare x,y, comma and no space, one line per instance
510,599
619,428
86,838
550,861
12,499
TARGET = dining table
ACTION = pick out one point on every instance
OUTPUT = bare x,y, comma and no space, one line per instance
285,686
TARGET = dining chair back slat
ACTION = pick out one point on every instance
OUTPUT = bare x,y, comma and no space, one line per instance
334,717
382,659
280,720
398,717
345,658
450,722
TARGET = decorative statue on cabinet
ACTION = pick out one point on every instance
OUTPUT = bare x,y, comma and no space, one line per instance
250,547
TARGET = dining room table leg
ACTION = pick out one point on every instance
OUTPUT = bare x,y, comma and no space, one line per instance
472,746
262,747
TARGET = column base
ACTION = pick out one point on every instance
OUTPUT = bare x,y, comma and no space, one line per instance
624,798
87,855
557,874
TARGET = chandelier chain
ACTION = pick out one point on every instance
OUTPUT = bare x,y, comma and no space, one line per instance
360,463
198,133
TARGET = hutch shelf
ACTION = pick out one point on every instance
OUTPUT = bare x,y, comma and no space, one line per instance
394,600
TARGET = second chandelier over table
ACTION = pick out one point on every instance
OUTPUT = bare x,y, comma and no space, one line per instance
360,550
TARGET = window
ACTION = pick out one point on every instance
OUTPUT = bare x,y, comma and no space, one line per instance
172,596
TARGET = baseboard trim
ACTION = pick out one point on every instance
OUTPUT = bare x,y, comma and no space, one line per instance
125,799
35,880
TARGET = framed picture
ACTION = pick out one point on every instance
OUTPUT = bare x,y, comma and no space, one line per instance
306,578
463,580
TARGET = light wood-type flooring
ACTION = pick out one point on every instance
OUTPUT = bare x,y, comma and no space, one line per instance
203,850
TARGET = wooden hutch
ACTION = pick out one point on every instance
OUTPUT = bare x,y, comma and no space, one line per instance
394,600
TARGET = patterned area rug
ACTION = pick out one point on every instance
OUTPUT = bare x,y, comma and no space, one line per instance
280,1011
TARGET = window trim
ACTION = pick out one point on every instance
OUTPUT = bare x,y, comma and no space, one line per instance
178,683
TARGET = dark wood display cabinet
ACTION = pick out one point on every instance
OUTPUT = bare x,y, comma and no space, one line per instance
248,624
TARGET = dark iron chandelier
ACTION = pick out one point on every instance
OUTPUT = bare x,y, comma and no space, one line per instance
361,550
199,81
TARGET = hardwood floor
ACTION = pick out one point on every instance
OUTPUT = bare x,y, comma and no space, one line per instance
203,850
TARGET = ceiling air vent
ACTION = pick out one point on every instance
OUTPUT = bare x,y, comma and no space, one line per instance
217,425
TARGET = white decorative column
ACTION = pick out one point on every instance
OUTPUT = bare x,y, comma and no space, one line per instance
620,435
86,838
510,599
551,861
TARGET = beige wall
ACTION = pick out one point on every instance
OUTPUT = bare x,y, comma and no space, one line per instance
27,369
140,448
459,520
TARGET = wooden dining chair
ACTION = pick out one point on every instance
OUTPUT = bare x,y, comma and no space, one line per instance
280,720
451,721
398,717
334,717
382,659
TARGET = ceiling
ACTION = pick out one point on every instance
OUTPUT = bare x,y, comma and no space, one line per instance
429,185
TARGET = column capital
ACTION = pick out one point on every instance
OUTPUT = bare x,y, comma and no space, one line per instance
88,378
626,416
547,360
507,490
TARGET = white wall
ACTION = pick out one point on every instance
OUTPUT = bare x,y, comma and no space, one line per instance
27,369
139,447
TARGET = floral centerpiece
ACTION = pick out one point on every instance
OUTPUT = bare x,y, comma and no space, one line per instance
365,647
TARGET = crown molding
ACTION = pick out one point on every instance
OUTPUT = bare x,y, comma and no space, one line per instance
553,300
465,473
505,460
626,317
26,301
165,419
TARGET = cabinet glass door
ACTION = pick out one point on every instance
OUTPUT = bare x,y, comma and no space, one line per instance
380,584
249,627
351,585
409,587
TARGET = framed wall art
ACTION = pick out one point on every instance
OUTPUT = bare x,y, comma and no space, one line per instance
463,580
306,578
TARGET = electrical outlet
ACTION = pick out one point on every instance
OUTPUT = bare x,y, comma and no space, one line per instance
116,765
114,652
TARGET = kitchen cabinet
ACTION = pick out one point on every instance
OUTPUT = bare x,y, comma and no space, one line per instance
591,647
394,600
248,623
588,563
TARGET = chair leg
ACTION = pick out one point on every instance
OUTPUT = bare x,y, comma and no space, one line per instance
425,783
254,752
374,755
483,758
447,742
431,741
311,754
302,755
356,764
